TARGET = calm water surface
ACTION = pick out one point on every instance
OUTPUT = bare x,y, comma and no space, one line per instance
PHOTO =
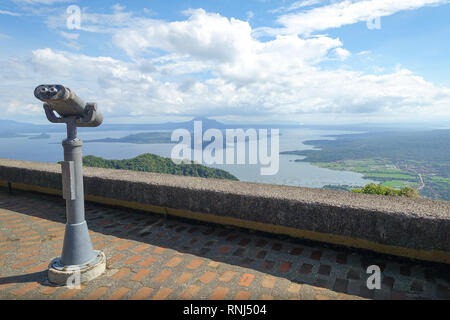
290,172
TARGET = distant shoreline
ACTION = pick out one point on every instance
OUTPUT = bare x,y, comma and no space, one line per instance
395,159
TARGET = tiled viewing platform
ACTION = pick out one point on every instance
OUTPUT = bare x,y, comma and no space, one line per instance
150,257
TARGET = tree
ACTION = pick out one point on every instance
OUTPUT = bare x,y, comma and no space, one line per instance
378,189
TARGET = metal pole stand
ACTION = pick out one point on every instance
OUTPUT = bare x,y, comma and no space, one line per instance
79,262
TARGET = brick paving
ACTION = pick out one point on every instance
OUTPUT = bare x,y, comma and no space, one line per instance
151,257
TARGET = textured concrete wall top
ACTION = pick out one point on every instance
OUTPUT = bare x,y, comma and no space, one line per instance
411,223
416,207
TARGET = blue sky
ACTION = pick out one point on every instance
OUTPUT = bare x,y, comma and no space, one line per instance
254,60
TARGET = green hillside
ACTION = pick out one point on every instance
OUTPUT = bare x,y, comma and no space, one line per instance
414,159
153,163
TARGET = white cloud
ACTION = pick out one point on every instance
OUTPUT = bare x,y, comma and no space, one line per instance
117,7
202,35
70,36
285,91
343,13
95,22
342,54
9,13
211,65
45,2
296,5
18,108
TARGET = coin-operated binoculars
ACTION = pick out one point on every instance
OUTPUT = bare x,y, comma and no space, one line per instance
78,257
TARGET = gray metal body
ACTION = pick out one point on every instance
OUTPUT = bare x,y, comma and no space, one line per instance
77,249
61,99
66,103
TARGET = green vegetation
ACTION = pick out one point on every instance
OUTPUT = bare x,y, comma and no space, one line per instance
439,179
431,147
379,170
436,188
338,187
394,159
373,188
399,184
153,163
391,176
157,138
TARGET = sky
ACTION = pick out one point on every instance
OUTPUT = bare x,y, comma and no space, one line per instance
307,61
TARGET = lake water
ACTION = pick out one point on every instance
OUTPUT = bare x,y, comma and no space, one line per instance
290,172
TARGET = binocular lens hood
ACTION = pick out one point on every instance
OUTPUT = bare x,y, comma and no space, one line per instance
66,103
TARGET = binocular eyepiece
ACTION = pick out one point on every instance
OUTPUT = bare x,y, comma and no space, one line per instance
66,103
44,90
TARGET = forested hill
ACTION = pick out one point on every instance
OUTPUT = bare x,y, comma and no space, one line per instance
418,159
153,163
431,148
